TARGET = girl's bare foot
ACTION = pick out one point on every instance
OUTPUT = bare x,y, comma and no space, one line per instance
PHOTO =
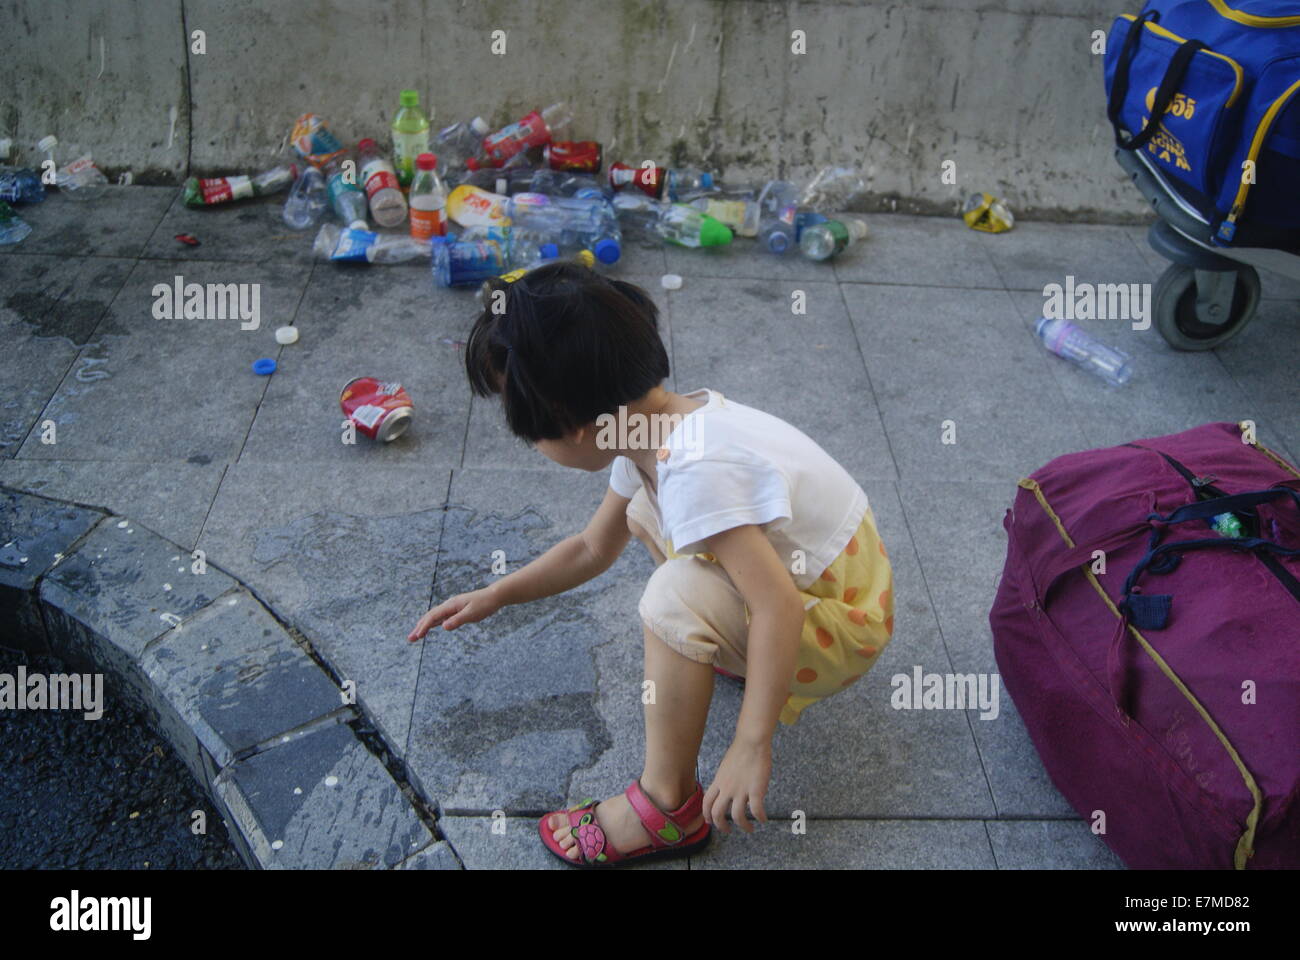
623,828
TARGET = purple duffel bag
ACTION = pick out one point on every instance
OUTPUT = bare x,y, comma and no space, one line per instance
1152,646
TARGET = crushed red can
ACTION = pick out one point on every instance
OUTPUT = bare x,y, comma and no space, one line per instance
649,179
576,156
380,409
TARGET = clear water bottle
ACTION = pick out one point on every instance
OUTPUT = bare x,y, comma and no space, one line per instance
362,246
307,201
1066,340
13,228
460,141
687,227
588,223
21,186
387,203
737,212
833,189
821,241
347,199
688,182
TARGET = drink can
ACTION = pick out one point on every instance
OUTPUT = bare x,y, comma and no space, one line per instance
380,409
577,156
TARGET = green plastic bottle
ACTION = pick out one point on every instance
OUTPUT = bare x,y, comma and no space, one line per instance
410,135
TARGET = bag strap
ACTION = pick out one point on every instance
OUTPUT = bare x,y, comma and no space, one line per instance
1169,84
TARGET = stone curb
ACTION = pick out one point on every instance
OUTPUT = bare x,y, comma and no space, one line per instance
256,719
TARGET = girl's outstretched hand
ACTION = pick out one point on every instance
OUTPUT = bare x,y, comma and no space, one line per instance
451,613
741,781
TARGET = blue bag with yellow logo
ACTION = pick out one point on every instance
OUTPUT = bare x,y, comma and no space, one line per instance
1221,78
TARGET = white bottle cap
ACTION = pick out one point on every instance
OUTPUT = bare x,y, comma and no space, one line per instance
47,144
479,126
671,281
286,334
358,225
858,229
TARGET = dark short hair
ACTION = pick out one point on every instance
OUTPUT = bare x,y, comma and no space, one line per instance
569,345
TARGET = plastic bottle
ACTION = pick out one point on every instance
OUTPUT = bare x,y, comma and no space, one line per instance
584,257
13,228
1066,340
410,136
21,186
428,200
387,204
308,200
362,246
686,183
471,206
650,179
637,213
833,189
348,200
1228,525
214,190
460,141
740,214
687,227
458,262
825,240
533,130
587,222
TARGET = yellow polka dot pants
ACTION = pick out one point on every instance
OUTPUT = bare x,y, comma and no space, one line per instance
691,604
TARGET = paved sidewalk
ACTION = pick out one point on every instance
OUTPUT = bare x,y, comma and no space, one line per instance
163,421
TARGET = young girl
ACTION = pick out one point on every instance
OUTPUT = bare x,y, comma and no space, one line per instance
769,567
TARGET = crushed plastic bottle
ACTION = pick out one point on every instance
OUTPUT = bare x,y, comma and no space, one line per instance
459,142
534,130
410,137
207,192
362,246
428,199
822,241
986,213
687,227
13,228
1066,340
833,189
586,222
308,200
459,262
387,204
81,179
21,186
346,198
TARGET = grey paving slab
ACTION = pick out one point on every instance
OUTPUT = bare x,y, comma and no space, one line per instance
237,678
506,709
1171,390
35,535
1032,255
436,856
346,554
516,847
58,296
31,369
1275,286
854,755
1049,845
925,251
127,586
958,535
740,337
1264,360
114,222
322,800
354,321
852,845
248,230
937,355
169,498
168,389
744,258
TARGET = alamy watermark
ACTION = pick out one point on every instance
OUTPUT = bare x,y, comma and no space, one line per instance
1098,301
179,300
57,691
946,691
654,431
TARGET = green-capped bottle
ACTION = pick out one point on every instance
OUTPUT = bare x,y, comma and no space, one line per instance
410,135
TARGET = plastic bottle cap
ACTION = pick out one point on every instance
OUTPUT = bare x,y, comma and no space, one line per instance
549,251
706,181
778,243
47,144
472,163
713,233
857,228
479,126
286,334
670,281
426,161
358,225
607,250
264,366
409,98
367,144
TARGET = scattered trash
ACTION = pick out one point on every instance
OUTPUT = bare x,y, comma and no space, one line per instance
346,198
46,146
13,228
534,130
537,220
740,214
362,246
459,142
1066,340
670,281
286,335
410,137
21,186
80,178
821,241
687,227
548,253
833,189
208,192
187,239
985,212
387,203
308,199
428,200
264,367
313,141
381,410
458,263
475,207
575,156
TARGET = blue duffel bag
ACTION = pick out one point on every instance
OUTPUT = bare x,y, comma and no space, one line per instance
1223,80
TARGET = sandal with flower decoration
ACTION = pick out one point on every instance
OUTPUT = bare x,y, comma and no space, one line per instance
668,836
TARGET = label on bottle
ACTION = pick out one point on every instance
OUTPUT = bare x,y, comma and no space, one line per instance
730,212
377,175
223,189
426,224
509,140
408,146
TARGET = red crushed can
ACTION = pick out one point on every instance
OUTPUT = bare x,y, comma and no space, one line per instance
380,409
576,156
649,180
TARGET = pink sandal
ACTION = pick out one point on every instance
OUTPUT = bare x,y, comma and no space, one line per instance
667,834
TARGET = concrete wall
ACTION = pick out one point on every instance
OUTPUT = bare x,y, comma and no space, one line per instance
1009,89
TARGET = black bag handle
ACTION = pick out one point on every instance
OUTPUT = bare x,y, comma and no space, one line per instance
1174,74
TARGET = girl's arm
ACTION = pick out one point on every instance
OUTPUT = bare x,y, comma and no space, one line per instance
570,562
776,621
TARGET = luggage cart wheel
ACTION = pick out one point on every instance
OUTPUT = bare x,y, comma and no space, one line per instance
1200,309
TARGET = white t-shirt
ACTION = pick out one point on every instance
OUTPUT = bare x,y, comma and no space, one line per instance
729,465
